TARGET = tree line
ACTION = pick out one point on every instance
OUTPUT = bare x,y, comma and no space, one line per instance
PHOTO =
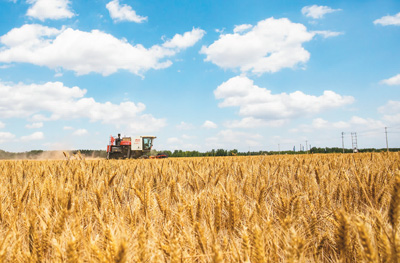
235,152
40,154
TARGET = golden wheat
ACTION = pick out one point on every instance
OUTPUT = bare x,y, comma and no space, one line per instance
300,208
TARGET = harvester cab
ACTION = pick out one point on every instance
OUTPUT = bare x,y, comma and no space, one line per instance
129,147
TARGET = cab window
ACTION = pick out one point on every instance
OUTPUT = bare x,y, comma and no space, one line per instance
147,143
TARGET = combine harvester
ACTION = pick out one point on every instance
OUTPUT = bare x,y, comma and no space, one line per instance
129,147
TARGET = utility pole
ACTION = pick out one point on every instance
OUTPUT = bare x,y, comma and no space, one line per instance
306,146
343,141
354,142
279,148
300,147
387,145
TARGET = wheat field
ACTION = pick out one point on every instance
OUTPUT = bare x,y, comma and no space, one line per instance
298,208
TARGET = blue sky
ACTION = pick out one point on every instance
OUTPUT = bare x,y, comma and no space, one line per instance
199,75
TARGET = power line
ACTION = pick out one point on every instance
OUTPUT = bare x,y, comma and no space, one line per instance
354,141
354,136
343,141
387,145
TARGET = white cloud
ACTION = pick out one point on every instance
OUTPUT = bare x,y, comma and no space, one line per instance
53,101
316,12
188,137
392,81
354,123
29,35
68,128
390,107
327,34
210,125
319,123
6,136
80,132
260,103
176,143
173,140
393,119
226,138
49,9
251,122
242,28
186,40
368,122
236,136
35,125
389,20
86,52
5,66
123,12
33,137
391,112
185,126
271,45
2,125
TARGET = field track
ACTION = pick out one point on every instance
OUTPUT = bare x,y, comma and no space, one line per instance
287,208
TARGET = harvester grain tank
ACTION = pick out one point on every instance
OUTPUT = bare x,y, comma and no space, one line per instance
129,147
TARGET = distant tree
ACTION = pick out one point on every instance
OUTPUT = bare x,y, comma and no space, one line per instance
221,152
233,152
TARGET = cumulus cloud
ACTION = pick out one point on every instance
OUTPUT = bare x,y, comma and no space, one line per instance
53,101
35,125
33,137
354,123
389,20
182,143
67,128
392,81
185,126
210,125
251,122
236,136
392,119
327,33
86,52
80,132
2,125
391,112
390,107
173,140
366,122
269,46
317,12
188,137
186,40
123,13
49,9
260,103
242,28
6,136
227,138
